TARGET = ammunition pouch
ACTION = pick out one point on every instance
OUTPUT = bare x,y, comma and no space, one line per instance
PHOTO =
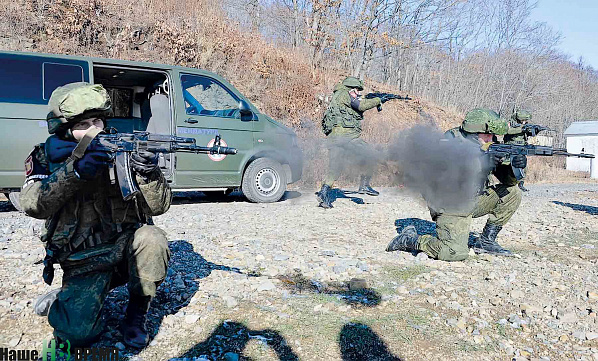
97,259
501,191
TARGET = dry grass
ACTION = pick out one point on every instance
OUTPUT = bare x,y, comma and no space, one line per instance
552,170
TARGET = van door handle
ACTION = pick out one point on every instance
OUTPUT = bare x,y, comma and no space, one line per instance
191,121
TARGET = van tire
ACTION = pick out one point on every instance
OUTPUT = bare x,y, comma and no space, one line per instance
264,181
14,199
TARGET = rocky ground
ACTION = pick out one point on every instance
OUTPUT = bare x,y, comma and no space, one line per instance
292,281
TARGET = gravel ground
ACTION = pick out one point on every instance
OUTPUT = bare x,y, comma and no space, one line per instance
292,281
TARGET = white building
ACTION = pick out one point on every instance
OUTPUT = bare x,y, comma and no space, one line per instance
582,137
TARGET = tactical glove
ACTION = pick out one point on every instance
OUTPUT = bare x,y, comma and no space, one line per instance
519,161
92,163
495,159
57,150
144,162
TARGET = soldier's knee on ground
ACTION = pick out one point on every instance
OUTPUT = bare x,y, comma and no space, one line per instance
443,250
453,253
76,338
76,313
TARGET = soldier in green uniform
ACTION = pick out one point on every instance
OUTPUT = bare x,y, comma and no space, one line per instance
499,201
99,240
342,126
516,135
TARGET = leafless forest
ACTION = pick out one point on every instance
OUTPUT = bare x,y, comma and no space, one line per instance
455,53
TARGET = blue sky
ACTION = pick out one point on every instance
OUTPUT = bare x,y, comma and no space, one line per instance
577,22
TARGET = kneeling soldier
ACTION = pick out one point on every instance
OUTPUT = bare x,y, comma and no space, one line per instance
499,201
99,240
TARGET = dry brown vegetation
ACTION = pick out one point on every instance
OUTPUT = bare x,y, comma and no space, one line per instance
282,81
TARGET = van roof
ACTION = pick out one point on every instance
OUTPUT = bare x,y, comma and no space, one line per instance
115,62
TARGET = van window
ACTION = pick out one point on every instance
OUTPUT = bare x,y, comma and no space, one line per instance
206,96
32,79
122,100
56,75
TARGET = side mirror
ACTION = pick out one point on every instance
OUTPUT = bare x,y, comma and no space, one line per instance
245,110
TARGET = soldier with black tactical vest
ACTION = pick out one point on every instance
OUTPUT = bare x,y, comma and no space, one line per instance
498,201
99,240
342,126
516,134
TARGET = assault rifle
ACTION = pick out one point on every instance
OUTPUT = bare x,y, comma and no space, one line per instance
508,151
532,130
384,97
122,145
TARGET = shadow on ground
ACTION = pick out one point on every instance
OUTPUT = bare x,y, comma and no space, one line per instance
6,206
288,195
186,268
591,210
336,193
193,197
358,342
354,292
229,339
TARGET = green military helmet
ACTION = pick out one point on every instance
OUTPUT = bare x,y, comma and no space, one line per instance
71,103
353,82
482,120
521,116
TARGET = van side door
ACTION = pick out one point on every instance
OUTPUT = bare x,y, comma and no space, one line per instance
207,107
26,86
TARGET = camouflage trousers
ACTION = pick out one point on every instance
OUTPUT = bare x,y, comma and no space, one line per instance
499,202
139,257
350,153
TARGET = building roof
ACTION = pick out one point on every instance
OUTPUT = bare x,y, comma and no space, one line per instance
586,127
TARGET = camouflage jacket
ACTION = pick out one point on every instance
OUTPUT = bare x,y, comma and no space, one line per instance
346,115
503,172
80,213
515,134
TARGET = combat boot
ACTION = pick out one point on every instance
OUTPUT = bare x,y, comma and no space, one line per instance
407,240
365,188
486,242
44,302
522,187
324,197
133,325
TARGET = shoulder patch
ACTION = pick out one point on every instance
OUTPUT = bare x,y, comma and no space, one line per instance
35,163
29,165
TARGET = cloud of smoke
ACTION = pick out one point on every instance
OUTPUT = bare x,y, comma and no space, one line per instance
446,172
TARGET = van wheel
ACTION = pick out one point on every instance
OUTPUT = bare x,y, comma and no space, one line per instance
14,199
264,181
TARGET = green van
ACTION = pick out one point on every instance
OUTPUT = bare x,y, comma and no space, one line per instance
155,98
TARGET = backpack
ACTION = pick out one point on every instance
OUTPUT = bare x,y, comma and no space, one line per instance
328,122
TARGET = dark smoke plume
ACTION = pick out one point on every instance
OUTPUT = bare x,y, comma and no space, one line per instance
446,172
